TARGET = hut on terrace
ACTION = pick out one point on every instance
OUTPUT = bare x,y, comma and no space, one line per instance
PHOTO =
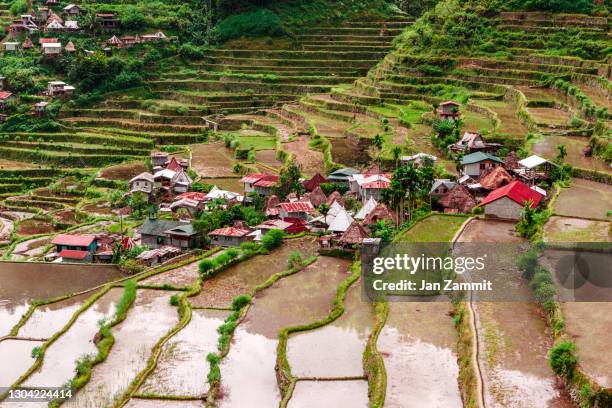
317,197
314,182
272,209
380,213
511,161
335,196
458,199
70,47
495,178
354,235
27,44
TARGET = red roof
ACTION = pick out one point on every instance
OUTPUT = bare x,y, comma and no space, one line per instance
268,180
517,191
376,184
192,195
72,254
230,232
252,178
450,103
298,206
314,182
173,164
5,94
47,40
73,240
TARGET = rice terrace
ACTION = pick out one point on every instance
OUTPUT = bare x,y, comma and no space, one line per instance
196,198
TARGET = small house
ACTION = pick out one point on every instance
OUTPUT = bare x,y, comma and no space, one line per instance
114,41
72,10
475,164
507,202
128,41
533,169
495,178
75,248
183,236
5,98
10,46
54,26
353,236
340,223
300,210
458,200
27,44
380,213
366,209
142,183
266,185
59,88
52,49
472,142
153,232
158,159
50,40
70,47
71,25
158,36
229,236
181,182
419,160
449,110
341,176
373,189
441,187
314,182
106,21
40,108
43,13
317,197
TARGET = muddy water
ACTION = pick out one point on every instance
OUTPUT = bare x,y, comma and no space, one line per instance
182,367
339,346
324,394
150,318
59,363
589,325
229,184
420,338
243,277
574,145
16,358
152,403
297,299
50,318
598,195
347,153
513,336
51,280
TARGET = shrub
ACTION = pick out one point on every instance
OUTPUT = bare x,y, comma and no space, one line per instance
545,292
206,265
528,262
260,23
174,300
272,239
295,260
240,301
36,352
562,358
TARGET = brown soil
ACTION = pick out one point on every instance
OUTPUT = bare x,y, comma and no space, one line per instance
123,171
212,160
310,161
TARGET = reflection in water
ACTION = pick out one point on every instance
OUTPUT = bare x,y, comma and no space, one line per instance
351,331
59,362
16,358
149,318
419,338
297,299
182,367
325,394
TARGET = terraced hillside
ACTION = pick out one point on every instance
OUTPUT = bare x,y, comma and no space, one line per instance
5,15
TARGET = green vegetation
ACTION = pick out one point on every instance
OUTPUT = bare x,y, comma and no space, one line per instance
563,358
272,239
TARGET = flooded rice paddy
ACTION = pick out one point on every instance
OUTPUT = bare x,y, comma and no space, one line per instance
162,403
52,280
324,394
420,338
574,145
351,331
17,355
513,337
134,339
244,276
182,367
59,362
294,300
47,319
567,229
571,200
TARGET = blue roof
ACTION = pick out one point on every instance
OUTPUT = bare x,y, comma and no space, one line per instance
478,157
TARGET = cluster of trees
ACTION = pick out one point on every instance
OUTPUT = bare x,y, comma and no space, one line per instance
408,185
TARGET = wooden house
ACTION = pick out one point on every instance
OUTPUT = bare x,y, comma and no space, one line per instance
5,99
459,199
300,210
449,110
475,164
229,236
106,21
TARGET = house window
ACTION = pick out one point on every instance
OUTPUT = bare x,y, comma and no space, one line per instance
482,166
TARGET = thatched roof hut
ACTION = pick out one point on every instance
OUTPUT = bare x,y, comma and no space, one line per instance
380,213
335,196
317,197
310,185
459,198
355,234
495,178
511,161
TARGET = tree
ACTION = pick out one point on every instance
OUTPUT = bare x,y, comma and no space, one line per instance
289,181
396,152
381,230
527,226
138,204
324,209
407,185
562,152
272,239
378,141
562,358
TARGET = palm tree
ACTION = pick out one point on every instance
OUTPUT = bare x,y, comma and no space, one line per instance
378,141
396,152
562,152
